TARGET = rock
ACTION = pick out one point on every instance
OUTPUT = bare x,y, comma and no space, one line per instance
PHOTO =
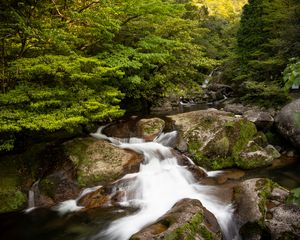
249,201
287,123
95,199
148,129
235,108
188,219
262,212
217,140
262,120
285,222
99,162
56,187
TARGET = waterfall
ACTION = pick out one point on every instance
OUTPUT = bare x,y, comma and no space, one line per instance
159,184
31,197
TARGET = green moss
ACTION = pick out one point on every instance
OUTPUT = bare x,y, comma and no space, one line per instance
265,187
245,130
191,229
11,200
46,187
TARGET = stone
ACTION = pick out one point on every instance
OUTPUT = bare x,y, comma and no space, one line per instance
285,222
99,162
218,139
262,120
287,122
56,187
150,128
188,219
235,108
262,212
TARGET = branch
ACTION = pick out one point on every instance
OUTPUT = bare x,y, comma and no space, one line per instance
57,10
87,6
129,19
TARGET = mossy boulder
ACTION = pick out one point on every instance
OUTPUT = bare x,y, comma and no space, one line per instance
17,174
188,219
262,212
218,140
99,162
11,196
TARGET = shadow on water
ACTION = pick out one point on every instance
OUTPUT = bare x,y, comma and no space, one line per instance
48,225
288,176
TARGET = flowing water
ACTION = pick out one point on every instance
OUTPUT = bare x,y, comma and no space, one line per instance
145,196
159,184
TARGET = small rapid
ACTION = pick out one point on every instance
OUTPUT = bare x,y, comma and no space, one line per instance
159,184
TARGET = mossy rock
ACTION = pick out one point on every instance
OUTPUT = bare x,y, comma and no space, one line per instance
187,220
99,162
262,212
12,200
218,140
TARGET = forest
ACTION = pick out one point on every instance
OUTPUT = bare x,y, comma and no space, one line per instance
66,64
149,119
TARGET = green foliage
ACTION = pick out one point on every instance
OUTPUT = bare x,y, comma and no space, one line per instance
267,94
65,64
294,197
291,74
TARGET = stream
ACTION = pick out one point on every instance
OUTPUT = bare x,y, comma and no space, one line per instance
145,196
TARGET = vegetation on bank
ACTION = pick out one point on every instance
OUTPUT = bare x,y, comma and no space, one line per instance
68,64
265,62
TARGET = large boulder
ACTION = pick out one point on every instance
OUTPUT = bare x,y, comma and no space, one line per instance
217,140
287,122
262,212
99,162
188,219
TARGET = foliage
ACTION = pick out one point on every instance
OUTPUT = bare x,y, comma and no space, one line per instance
294,197
291,74
268,36
65,64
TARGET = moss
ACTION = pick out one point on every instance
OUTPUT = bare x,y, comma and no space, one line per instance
46,187
265,187
245,130
191,229
11,200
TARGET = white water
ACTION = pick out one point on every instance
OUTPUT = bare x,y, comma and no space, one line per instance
159,184
71,205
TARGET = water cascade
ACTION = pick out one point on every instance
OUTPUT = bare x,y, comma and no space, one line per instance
159,184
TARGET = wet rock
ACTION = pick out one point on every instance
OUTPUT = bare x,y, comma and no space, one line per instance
262,212
287,123
148,129
285,222
262,120
217,140
188,219
249,201
95,199
235,108
99,162
56,187
233,174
